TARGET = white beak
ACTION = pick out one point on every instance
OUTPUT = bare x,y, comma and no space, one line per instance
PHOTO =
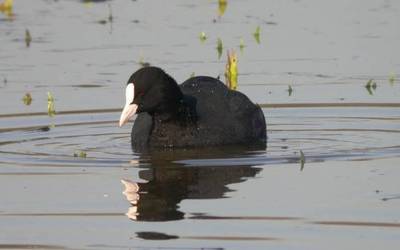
129,109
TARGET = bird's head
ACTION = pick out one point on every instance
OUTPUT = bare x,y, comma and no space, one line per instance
150,90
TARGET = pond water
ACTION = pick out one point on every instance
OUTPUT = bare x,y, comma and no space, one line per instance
347,196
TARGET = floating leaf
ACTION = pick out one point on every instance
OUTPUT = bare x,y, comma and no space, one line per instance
392,78
370,86
231,71
241,45
220,47
256,34
290,90
27,99
202,37
80,154
28,38
302,160
222,4
50,105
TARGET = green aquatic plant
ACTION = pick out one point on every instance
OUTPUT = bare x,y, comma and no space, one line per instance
222,4
51,111
6,7
28,38
256,34
220,47
80,154
290,90
231,71
302,160
27,99
371,86
241,45
202,37
392,78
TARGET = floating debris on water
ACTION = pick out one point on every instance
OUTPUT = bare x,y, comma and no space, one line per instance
51,111
220,47
80,154
27,99
231,71
371,86
202,37
222,4
392,78
290,90
256,34
302,160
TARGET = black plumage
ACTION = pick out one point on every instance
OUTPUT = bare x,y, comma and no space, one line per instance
200,112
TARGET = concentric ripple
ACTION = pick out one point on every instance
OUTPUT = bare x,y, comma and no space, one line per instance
337,133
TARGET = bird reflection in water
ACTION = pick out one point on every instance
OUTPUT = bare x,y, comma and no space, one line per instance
167,181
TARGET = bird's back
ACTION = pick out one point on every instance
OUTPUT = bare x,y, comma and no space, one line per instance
224,116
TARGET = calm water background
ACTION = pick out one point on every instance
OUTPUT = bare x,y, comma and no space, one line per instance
347,196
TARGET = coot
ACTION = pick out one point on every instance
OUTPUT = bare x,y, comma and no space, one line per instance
200,112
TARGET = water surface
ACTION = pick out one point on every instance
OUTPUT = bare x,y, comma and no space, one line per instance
347,195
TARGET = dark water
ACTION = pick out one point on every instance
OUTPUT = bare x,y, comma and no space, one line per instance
347,196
